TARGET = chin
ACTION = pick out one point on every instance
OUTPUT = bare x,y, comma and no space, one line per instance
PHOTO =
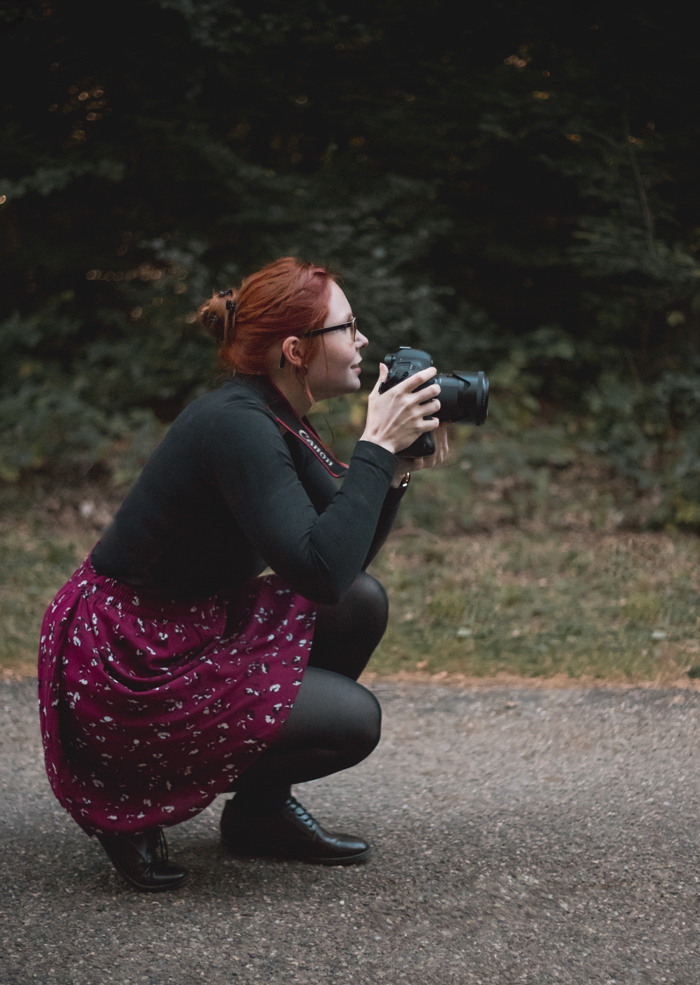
352,387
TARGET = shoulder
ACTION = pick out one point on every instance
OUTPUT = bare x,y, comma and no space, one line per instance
235,400
227,421
233,424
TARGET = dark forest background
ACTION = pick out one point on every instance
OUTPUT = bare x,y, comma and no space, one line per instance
512,186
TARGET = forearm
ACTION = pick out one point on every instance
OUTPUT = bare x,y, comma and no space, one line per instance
386,521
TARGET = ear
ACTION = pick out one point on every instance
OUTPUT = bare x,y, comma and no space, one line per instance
292,352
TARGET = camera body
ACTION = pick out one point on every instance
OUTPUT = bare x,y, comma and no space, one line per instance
463,396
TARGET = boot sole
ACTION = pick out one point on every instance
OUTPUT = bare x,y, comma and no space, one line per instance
309,860
153,889
143,888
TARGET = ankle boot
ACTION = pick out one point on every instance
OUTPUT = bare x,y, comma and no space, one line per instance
143,860
291,834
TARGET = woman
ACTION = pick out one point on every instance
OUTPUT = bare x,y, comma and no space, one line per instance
169,670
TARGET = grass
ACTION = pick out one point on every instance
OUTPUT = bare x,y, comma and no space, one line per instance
523,556
536,477
611,606
33,566
527,556
617,607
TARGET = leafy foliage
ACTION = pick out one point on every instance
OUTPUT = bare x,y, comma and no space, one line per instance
513,189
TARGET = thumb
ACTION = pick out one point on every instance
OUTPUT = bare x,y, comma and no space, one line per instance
383,373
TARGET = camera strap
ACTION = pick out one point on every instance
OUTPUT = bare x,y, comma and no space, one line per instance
278,405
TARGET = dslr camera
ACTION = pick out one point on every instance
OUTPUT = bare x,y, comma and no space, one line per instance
463,396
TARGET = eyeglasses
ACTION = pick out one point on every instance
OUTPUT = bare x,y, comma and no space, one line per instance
352,325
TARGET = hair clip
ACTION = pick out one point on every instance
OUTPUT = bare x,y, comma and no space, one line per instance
224,294
230,305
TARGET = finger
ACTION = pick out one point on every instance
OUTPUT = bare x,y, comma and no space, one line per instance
441,440
426,408
444,448
383,373
422,376
427,392
440,447
431,406
428,399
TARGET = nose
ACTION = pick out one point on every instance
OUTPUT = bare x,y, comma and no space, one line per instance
361,341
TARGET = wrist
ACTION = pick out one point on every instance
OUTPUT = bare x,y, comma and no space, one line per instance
401,481
377,441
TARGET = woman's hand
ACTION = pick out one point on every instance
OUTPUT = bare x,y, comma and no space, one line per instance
429,462
397,417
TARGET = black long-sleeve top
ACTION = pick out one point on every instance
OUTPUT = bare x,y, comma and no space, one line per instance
226,494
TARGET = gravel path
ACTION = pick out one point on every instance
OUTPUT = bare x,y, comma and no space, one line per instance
520,836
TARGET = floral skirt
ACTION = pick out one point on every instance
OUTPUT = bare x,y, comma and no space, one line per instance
150,708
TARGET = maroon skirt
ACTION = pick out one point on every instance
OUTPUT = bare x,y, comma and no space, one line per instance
150,708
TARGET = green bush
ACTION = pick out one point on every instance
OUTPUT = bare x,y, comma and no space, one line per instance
500,189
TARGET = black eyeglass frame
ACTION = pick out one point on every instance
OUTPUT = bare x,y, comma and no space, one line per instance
334,328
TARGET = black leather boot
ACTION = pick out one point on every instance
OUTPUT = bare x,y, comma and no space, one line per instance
291,834
143,860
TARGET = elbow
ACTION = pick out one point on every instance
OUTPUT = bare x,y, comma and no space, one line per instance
324,593
324,588
316,586
319,579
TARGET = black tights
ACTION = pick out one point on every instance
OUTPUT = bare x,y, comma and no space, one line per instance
335,722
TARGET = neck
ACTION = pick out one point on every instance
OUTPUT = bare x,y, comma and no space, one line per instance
293,390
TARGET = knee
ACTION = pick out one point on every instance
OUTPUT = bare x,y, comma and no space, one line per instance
365,732
369,600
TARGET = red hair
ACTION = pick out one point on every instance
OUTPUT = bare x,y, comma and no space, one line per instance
287,297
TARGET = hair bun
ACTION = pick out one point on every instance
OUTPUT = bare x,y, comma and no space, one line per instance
216,312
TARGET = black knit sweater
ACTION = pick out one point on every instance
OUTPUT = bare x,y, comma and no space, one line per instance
226,494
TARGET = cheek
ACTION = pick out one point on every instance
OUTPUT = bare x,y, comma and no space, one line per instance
338,359
332,363
347,353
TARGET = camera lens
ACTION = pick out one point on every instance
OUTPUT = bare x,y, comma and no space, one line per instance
463,397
